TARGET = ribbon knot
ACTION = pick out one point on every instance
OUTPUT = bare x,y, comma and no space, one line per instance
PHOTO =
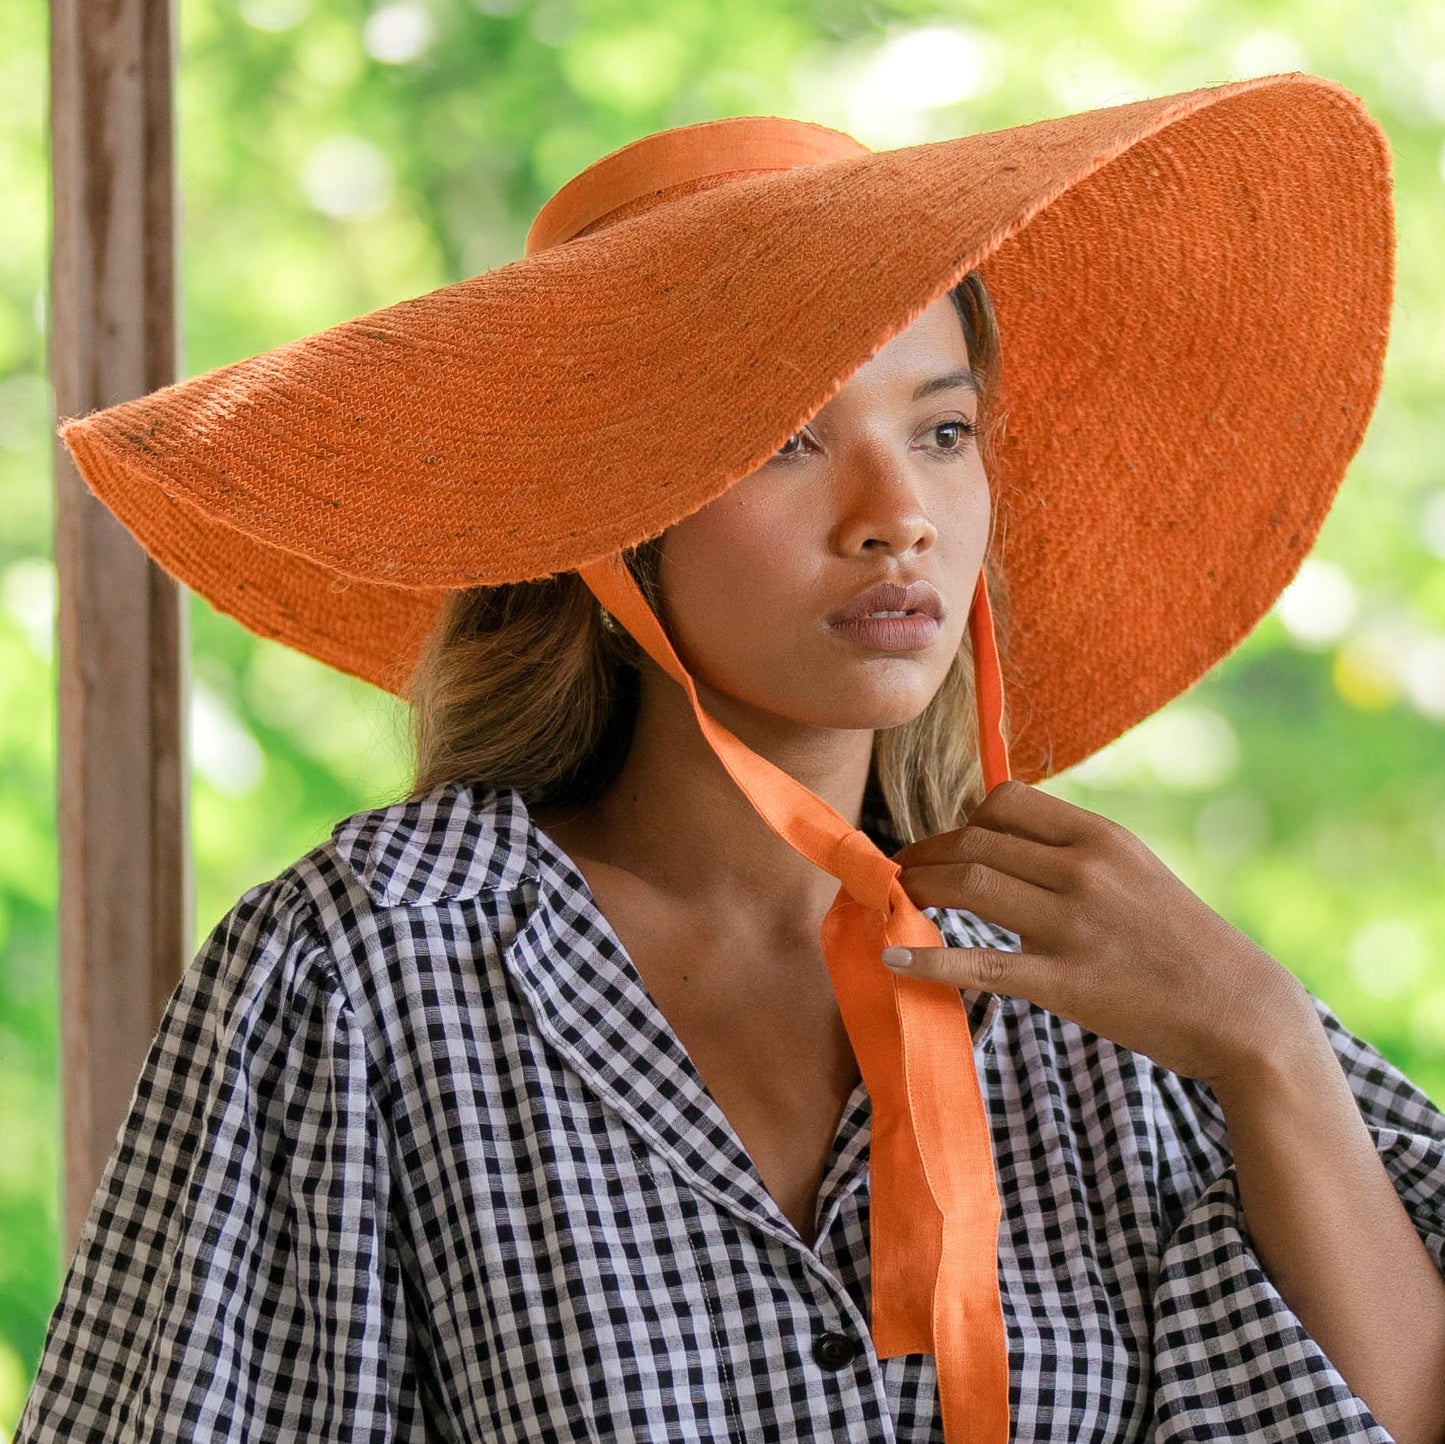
865,872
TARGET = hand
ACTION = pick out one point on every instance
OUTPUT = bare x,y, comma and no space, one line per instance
1110,937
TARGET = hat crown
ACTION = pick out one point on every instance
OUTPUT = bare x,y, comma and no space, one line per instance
670,164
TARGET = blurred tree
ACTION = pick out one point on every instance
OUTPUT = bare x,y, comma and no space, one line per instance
337,156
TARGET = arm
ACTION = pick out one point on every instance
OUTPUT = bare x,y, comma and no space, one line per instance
232,1278
1331,1231
1113,940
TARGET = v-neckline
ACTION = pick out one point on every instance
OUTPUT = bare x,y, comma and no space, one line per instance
841,1169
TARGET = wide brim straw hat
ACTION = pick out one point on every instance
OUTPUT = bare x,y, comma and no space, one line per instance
1193,298
1192,292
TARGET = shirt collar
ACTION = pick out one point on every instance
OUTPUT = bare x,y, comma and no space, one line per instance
459,840
445,846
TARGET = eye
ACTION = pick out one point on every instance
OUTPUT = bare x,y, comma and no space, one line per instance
962,430
954,438
785,449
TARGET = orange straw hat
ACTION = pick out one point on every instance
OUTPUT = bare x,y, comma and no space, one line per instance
1193,294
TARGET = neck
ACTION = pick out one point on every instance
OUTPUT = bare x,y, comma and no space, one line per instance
675,818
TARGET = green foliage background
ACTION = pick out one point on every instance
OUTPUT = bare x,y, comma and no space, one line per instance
336,156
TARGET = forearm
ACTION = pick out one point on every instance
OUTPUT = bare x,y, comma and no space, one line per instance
1332,1233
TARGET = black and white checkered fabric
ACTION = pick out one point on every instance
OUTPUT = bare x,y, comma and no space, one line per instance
414,1156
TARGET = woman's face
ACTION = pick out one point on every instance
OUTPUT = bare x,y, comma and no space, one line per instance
883,484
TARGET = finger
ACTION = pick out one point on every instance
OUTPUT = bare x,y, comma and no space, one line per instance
1026,811
990,970
1029,860
1008,901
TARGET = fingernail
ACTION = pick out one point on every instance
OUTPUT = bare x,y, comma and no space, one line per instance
898,957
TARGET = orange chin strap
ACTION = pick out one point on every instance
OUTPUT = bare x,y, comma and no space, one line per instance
934,1206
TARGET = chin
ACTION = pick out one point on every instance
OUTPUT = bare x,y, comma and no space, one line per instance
843,699
893,716
887,692
879,710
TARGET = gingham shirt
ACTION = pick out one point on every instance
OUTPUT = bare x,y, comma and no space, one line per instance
414,1156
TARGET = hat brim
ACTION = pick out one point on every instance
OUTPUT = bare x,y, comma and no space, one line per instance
1193,295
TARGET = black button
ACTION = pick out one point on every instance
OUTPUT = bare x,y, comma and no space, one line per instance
834,1351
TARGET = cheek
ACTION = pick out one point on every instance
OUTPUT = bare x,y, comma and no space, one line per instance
964,526
729,570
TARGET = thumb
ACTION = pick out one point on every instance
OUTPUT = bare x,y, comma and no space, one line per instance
992,970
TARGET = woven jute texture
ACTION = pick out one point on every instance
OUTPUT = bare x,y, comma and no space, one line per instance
1193,294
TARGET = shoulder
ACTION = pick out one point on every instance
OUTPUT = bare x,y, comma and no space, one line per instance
448,845
340,922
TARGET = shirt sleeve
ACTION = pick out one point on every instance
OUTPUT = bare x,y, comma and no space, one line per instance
1231,1359
235,1278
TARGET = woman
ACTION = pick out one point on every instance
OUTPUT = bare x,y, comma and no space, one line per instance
549,1102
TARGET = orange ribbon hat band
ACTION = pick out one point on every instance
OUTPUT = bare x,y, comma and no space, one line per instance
934,1209
673,163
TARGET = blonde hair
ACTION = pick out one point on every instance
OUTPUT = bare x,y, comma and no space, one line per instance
521,685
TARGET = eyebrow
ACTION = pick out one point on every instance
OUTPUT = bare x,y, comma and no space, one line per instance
947,382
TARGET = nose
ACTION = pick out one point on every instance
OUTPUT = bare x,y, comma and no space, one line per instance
881,508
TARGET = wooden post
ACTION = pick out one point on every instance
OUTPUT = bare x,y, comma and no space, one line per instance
124,873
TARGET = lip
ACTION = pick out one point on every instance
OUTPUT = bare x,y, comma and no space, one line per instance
919,599
890,634
918,596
